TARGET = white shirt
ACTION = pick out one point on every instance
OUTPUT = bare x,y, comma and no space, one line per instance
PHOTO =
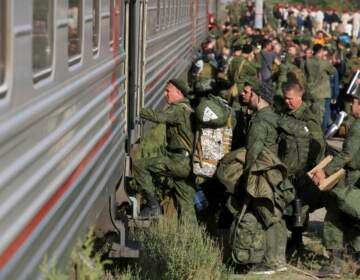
345,18
319,16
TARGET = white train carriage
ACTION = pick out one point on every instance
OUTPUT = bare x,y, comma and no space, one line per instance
73,76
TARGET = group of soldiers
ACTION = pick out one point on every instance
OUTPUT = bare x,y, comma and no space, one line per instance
278,90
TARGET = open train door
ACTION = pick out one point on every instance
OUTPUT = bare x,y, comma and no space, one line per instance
135,49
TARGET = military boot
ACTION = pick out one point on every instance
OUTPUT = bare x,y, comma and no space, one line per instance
333,268
152,209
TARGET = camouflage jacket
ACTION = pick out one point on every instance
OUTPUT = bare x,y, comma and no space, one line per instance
318,74
289,72
179,130
241,71
301,140
262,133
349,157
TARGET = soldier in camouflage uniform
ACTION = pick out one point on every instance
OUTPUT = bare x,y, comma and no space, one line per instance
301,147
263,133
243,69
175,164
243,117
339,228
318,72
291,70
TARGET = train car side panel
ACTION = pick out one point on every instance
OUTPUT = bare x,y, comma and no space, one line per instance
70,134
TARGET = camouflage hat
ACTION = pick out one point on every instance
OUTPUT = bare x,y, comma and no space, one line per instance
265,92
181,85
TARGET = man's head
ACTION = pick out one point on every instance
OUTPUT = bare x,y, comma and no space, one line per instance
246,94
247,51
318,50
208,46
292,50
248,30
267,45
308,53
174,91
293,95
320,34
261,97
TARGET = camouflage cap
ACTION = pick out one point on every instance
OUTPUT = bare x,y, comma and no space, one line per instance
265,92
181,85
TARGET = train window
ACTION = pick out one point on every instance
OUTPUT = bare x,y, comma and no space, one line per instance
42,40
2,43
96,15
74,31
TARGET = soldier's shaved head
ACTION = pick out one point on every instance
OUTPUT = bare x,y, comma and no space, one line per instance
293,94
297,88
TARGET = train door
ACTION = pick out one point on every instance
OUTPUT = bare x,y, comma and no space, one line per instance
136,45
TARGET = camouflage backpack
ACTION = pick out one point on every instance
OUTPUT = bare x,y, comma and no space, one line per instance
247,240
153,143
212,112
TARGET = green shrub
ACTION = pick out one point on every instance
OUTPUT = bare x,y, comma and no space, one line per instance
179,250
84,263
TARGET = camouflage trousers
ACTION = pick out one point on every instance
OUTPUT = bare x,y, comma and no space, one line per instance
255,242
175,168
275,234
339,228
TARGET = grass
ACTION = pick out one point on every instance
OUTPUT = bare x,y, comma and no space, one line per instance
183,250
173,249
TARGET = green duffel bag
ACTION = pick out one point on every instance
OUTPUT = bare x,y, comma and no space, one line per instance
284,194
247,240
212,112
348,200
230,169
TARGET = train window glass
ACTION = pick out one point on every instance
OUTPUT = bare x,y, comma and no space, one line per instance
2,42
96,16
74,31
42,40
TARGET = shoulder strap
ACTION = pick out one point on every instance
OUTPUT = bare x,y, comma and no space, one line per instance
187,107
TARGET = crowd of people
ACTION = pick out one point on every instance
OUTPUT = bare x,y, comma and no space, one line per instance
314,19
250,122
